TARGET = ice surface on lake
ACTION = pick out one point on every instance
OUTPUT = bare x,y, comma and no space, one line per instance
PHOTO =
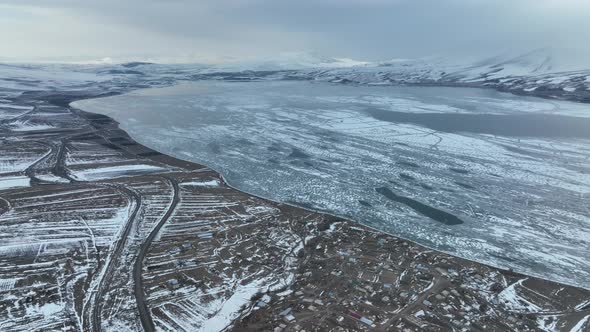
405,160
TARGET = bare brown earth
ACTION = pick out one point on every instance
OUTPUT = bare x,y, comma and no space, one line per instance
110,235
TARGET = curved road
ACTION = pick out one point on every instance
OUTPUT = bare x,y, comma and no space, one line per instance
107,274
144,313
30,171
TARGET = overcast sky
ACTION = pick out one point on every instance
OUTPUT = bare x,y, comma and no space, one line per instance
224,29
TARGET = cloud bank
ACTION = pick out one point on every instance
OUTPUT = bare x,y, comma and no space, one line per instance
218,30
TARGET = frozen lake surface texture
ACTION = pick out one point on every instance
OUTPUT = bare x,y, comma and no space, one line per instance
487,176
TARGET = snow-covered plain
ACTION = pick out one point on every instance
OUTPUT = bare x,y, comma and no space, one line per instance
222,298
105,173
10,182
521,198
211,183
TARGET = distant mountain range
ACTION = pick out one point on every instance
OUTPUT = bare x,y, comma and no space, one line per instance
536,73
543,73
288,61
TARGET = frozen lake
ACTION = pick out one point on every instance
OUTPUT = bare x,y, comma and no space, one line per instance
483,175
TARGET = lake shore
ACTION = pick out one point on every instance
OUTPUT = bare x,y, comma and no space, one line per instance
210,243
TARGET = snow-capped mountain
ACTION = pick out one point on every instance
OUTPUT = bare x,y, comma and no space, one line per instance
539,73
534,63
543,73
285,61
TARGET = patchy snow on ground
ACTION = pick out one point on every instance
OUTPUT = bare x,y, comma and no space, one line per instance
547,323
47,310
208,184
16,107
582,325
513,301
15,158
262,209
96,215
582,305
48,177
228,310
96,174
29,126
7,284
84,153
10,111
10,182
10,165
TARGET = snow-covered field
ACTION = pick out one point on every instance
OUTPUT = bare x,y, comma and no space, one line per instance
17,157
223,292
520,197
55,239
113,172
386,156
17,181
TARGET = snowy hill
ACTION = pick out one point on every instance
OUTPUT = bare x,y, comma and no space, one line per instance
285,61
539,73
544,73
534,63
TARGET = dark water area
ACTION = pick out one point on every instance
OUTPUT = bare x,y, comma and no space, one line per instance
515,125
429,211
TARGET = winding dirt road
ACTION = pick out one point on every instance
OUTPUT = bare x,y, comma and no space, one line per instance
144,313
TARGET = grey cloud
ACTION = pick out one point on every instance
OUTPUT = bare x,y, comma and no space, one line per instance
365,29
